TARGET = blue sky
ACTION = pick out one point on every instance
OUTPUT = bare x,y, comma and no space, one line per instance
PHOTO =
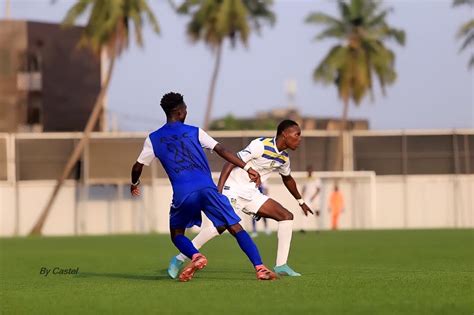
434,88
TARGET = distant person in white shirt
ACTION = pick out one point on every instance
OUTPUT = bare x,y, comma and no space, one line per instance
265,155
311,194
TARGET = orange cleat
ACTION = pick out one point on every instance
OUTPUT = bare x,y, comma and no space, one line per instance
263,273
198,262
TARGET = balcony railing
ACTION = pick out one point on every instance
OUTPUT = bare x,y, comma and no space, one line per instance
29,81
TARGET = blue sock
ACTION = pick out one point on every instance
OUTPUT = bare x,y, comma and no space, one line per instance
184,245
249,247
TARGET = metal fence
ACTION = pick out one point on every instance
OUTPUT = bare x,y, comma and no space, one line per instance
107,158
418,153
3,158
42,158
96,199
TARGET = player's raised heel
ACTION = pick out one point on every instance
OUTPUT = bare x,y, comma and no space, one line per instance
198,262
263,273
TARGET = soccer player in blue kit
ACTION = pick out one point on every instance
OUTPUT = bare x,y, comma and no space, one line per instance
179,147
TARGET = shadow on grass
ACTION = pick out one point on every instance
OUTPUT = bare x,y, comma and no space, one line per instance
161,276
234,275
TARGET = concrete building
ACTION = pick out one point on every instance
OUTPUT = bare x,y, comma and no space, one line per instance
265,120
47,83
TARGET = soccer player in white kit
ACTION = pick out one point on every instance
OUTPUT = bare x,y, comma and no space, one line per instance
263,155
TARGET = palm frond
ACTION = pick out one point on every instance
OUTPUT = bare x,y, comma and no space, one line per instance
75,11
378,20
145,8
362,31
471,62
397,34
215,20
468,41
322,18
465,29
332,32
110,21
344,10
328,69
463,2
259,13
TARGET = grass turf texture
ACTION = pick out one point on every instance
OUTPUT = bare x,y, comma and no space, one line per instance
357,272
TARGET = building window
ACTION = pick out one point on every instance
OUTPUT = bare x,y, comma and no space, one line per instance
29,75
34,110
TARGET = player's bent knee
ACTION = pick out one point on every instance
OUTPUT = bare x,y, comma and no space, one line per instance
288,216
176,232
221,229
234,229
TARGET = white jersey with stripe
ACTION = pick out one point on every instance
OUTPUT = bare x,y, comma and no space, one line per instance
264,157
310,187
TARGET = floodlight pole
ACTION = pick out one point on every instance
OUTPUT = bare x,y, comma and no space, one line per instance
7,9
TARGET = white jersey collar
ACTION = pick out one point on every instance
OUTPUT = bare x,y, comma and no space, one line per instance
275,145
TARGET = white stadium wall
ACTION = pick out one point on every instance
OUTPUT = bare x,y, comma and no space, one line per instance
414,201
7,209
398,197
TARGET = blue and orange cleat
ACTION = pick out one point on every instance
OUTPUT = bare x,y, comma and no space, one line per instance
285,270
198,262
263,273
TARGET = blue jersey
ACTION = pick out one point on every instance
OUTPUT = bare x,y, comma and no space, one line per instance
179,150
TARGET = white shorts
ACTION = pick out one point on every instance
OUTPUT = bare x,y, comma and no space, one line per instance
248,205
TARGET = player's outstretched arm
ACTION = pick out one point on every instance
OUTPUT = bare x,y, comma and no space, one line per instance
290,184
234,159
228,167
228,156
136,173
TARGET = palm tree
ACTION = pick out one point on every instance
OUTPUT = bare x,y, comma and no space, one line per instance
361,30
215,20
466,30
108,28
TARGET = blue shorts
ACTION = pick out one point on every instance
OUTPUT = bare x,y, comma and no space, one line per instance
208,200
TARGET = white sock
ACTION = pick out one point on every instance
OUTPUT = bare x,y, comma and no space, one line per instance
285,231
205,235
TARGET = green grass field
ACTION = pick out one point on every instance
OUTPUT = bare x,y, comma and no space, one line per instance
362,272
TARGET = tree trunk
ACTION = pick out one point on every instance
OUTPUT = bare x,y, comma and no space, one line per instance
210,96
76,154
340,148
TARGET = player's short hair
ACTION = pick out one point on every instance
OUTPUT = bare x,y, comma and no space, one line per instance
171,101
287,123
